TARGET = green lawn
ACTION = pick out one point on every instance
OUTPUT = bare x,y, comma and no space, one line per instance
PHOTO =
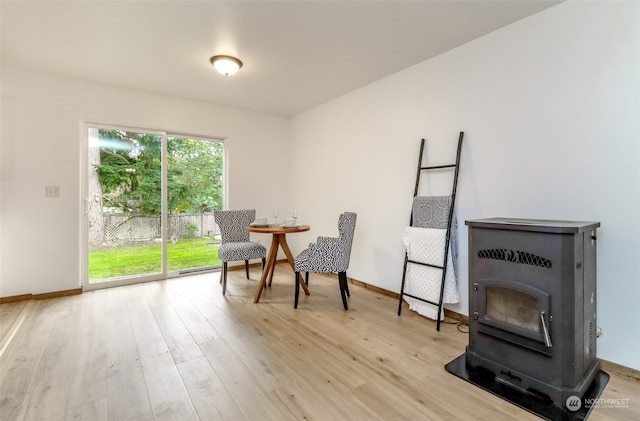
144,258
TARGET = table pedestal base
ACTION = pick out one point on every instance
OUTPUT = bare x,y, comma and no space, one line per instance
279,240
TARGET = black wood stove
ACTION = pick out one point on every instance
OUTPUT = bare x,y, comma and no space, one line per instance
532,314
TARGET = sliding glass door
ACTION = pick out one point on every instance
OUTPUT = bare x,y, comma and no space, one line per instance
148,205
195,188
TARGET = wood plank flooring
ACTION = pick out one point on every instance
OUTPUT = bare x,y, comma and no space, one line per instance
179,350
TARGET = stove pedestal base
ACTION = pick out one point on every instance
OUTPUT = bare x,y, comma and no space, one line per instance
546,409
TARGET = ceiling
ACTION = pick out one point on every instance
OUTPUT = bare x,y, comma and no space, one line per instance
296,54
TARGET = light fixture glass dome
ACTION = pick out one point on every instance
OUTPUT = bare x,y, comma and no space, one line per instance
226,65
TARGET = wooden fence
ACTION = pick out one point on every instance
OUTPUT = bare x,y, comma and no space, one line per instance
119,227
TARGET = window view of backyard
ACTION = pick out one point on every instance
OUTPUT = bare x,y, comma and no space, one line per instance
125,203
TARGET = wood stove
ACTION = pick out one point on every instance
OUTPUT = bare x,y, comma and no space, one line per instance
532,307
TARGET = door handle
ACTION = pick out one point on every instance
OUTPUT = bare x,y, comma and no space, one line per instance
547,338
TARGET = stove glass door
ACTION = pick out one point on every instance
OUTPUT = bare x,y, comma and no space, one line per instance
512,307
513,311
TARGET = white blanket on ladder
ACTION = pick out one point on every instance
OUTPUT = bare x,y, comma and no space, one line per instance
427,245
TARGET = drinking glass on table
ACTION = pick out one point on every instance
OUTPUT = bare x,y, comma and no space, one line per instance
275,215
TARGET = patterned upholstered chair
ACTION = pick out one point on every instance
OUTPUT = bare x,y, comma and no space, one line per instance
235,240
329,254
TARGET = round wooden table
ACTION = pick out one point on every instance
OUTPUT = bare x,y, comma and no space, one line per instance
279,234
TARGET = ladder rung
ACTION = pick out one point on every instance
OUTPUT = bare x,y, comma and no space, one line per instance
425,264
421,299
437,167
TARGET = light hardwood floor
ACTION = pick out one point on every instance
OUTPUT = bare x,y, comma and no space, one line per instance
179,350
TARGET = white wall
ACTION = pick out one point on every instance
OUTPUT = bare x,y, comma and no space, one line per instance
40,145
550,108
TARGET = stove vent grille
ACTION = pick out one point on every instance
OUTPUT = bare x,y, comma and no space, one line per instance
515,256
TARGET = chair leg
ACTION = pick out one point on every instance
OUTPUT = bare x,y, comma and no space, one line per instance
246,268
295,300
224,278
306,279
346,285
342,280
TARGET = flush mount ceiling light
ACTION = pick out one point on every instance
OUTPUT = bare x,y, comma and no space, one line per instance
226,65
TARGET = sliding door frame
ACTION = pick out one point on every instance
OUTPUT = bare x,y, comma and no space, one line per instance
84,203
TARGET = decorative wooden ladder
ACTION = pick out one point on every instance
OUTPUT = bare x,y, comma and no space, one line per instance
443,268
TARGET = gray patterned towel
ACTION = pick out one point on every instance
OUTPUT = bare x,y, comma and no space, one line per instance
433,212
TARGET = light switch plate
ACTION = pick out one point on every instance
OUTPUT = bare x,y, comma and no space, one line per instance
52,191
